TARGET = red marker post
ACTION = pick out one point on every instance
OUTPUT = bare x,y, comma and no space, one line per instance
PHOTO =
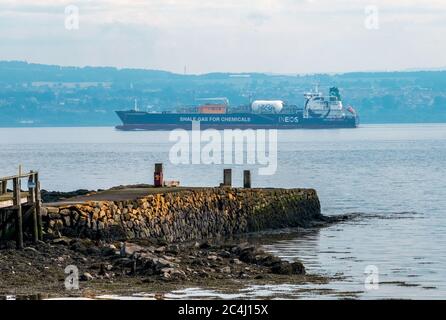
158,180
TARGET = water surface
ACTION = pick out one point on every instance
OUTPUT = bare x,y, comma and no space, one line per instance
393,175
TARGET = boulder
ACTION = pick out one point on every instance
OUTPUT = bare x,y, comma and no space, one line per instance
282,267
62,241
173,249
226,269
86,277
129,249
298,268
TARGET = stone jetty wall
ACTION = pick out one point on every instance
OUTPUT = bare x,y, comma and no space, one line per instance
186,215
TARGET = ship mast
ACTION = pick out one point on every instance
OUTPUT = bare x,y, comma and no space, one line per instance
136,105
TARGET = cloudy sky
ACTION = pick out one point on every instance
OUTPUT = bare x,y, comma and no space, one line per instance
280,36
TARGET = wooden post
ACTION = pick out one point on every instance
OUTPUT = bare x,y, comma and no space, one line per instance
31,186
227,177
247,179
38,200
4,188
2,220
19,219
32,199
158,175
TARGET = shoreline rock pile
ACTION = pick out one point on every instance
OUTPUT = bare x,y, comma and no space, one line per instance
203,260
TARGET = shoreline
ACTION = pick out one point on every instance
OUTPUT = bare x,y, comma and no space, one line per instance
144,266
174,258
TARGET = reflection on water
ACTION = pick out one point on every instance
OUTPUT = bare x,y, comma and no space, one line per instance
394,175
410,265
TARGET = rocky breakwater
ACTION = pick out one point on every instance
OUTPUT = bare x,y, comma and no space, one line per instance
186,215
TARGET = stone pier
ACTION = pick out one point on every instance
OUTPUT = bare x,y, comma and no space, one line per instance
184,214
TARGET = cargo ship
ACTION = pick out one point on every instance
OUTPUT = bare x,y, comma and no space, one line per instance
318,112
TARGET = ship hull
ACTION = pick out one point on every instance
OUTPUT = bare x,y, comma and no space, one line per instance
133,120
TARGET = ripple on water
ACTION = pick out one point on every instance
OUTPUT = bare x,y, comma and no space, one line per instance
392,175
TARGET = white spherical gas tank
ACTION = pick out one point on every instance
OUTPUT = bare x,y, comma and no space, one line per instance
267,106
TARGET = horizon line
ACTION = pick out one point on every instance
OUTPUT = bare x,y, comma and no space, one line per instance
234,74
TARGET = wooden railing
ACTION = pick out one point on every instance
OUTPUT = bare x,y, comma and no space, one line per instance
31,200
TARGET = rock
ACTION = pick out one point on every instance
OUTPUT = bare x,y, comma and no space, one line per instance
173,249
282,267
65,212
102,270
203,274
101,225
224,254
86,277
159,296
108,251
225,269
95,251
67,221
248,255
151,262
43,211
298,268
31,249
128,249
52,210
198,262
167,270
59,224
76,216
79,247
160,249
62,241
212,257
54,216
205,245
124,263
107,275
236,261
108,267
267,260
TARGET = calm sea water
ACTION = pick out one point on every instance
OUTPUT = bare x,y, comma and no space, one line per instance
394,176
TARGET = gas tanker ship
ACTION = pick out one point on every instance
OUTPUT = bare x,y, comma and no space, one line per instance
318,112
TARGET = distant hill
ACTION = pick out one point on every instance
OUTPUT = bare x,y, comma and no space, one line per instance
48,95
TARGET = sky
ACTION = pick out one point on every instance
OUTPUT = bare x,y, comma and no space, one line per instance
201,36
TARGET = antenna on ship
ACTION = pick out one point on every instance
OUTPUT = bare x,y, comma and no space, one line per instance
136,105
